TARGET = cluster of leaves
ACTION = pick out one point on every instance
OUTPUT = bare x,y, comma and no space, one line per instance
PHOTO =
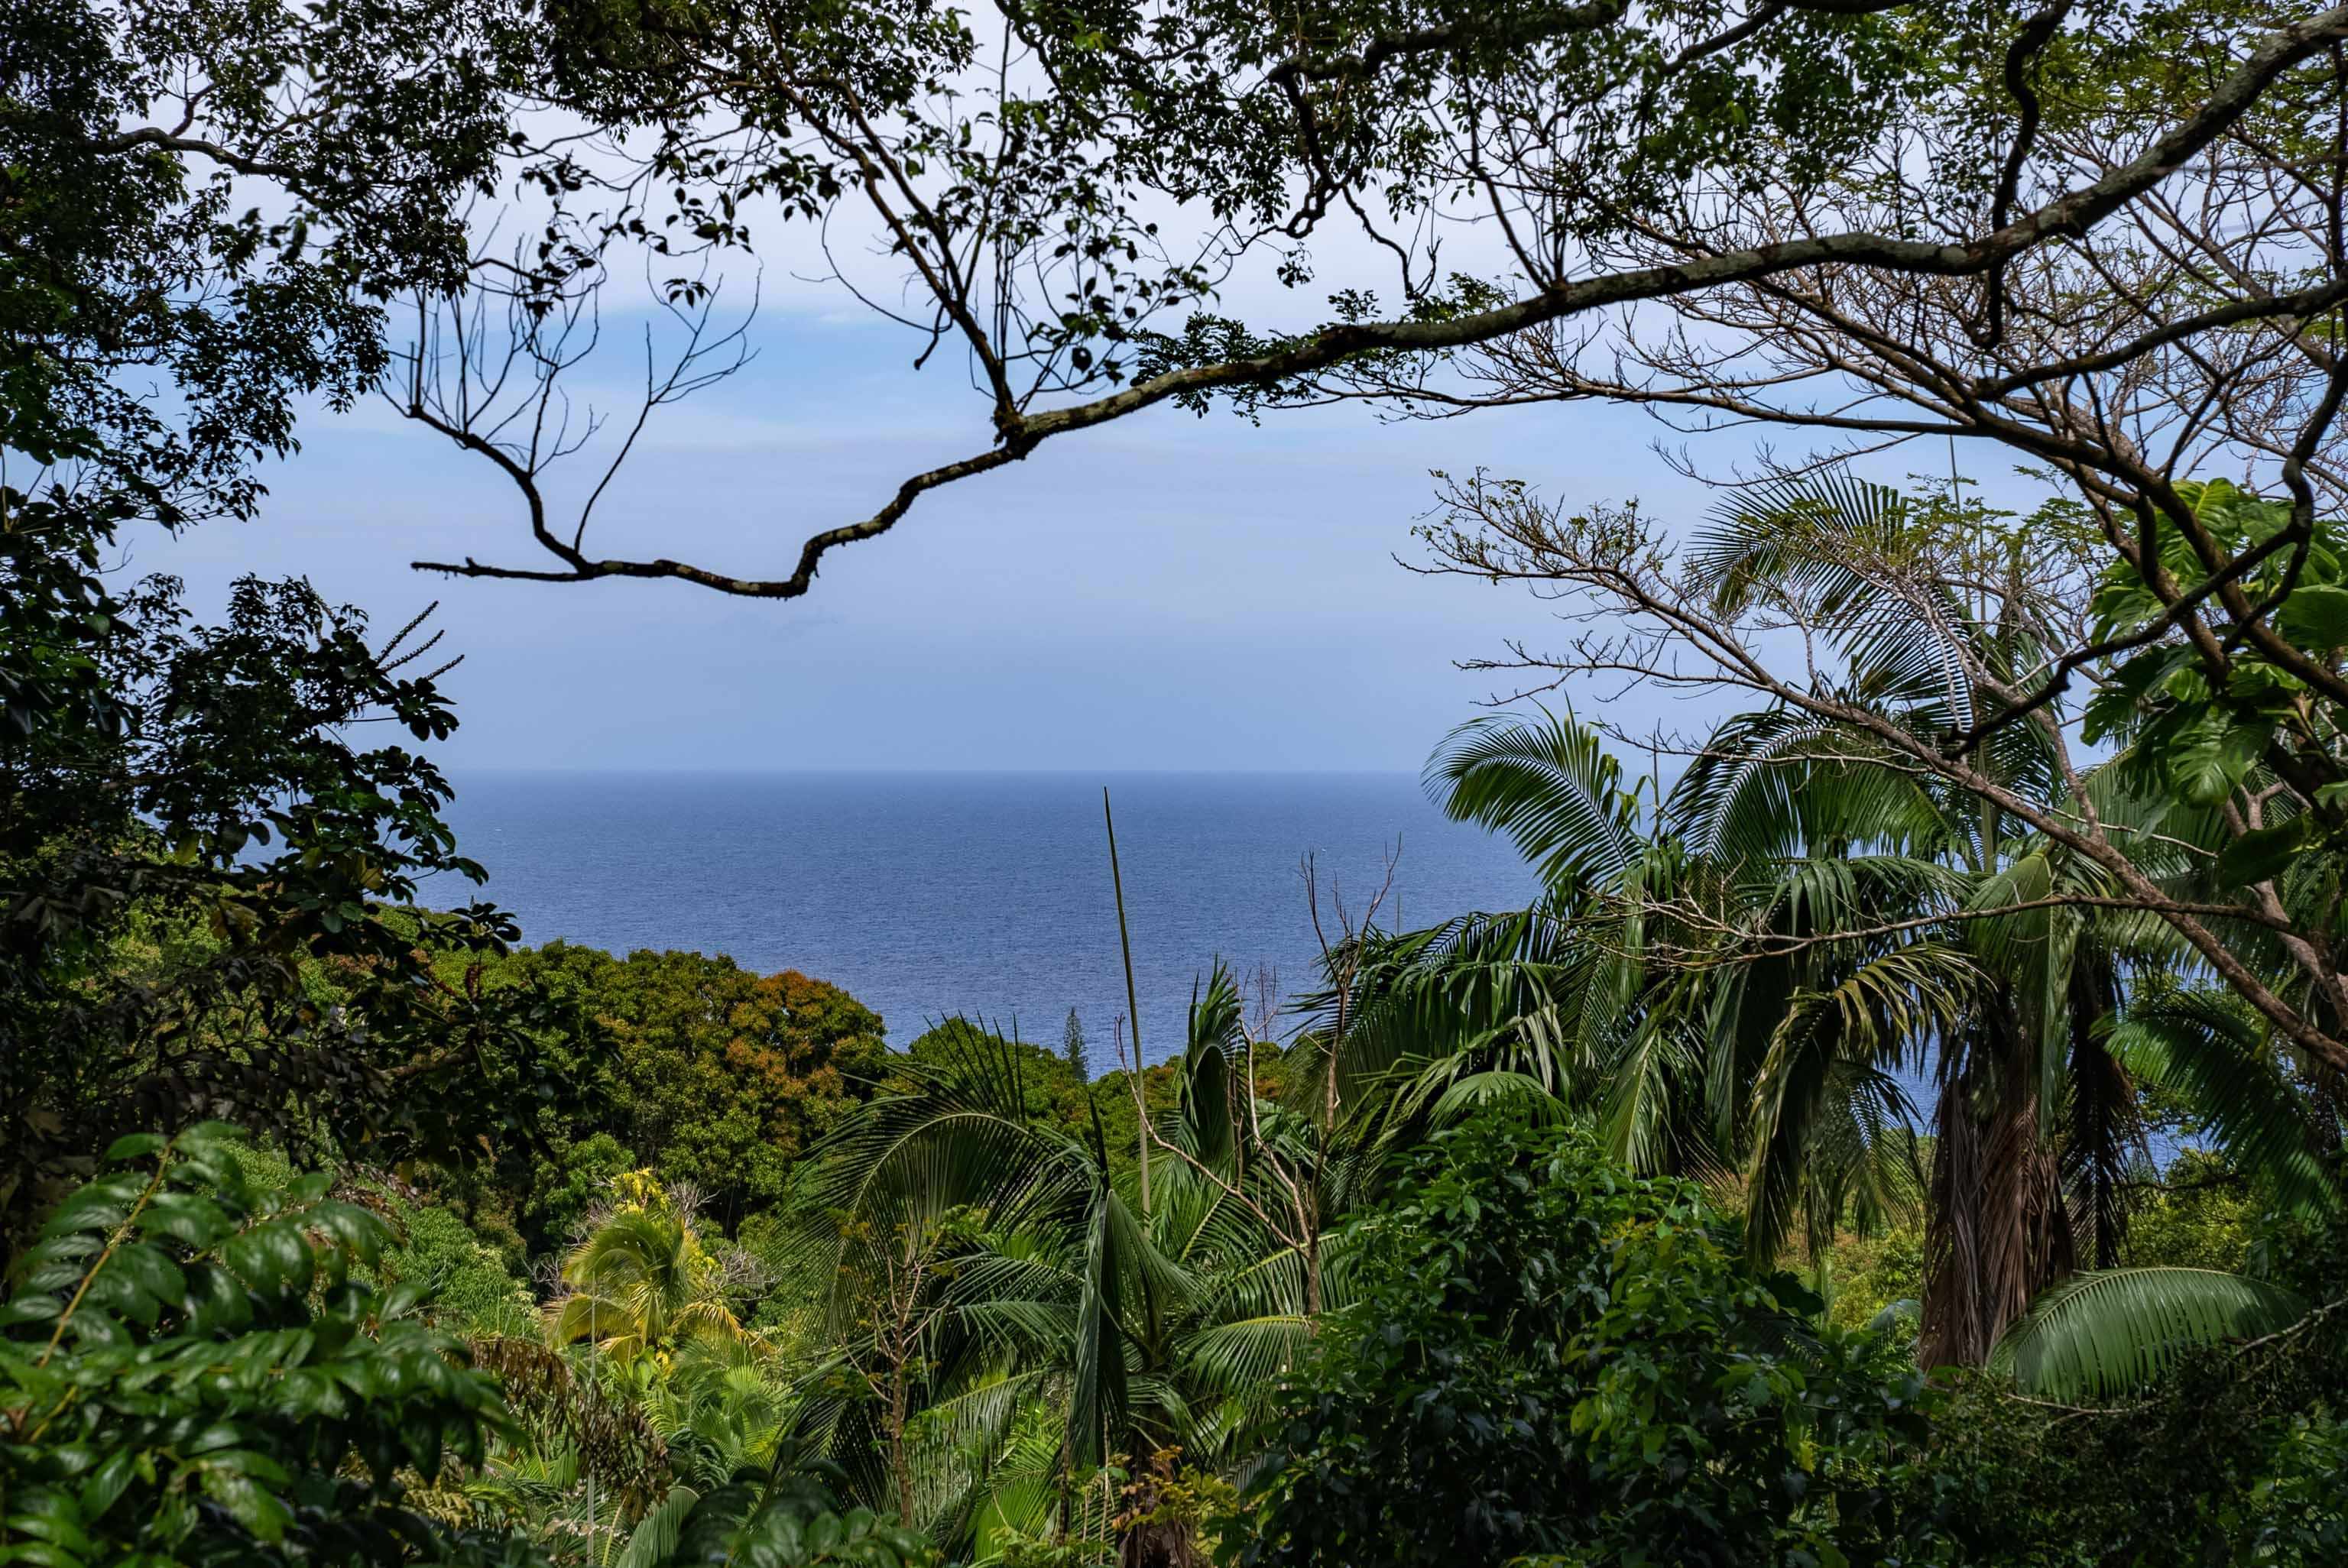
206,902
211,1359
788,1523
2201,740
157,332
374,120
2226,1460
1548,1356
1056,1094
159,328
193,1370
712,1076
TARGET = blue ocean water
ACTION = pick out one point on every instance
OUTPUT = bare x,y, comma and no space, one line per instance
985,895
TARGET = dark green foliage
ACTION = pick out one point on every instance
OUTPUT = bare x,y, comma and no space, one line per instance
2200,742
202,903
575,1181
2231,1455
1054,1093
1548,1356
2230,1460
160,323
192,1371
473,1293
710,1075
790,1524
131,265
157,328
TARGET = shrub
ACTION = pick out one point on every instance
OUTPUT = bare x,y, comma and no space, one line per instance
472,1292
2232,1458
1547,1356
193,1370
790,1522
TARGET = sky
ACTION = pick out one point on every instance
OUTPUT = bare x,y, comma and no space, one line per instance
1166,592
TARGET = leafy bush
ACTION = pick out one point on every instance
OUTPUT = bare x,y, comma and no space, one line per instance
2232,1453
2216,1466
1546,1356
790,1523
193,1370
472,1291
1869,1275
716,1078
2204,1216
575,1181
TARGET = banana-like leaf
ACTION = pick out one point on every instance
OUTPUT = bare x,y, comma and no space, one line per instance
2104,1336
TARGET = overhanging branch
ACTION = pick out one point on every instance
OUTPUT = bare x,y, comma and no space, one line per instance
1019,434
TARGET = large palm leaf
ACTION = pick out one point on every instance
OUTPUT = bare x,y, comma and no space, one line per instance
2198,1044
1551,786
2102,1336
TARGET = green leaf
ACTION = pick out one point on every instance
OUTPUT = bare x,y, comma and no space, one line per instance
251,1462
2316,616
2114,706
215,1299
2210,760
654,1540
359,1233
2262,854
270,1257
1552,787
106,1483
184,1217
40,1554
97,1208
2104,1336
46,1511
247,1501
1475,1092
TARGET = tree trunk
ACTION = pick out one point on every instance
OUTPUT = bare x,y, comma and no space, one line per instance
2000,1231
900,1465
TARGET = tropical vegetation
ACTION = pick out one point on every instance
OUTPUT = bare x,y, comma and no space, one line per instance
1907,1126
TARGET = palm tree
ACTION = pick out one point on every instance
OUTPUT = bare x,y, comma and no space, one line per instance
643,1391
1766,969
641,1282
984,1265
1672,983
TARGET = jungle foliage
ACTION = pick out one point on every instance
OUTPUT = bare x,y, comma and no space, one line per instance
1982,969
1546,1357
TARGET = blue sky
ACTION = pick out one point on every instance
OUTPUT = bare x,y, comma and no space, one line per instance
1168,592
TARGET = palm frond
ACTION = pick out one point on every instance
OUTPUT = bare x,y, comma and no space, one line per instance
1478,1090
2198,1045
1551,786
2104,1336
655,1539
1867,1017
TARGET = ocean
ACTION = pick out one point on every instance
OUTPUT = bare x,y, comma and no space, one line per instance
986,895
